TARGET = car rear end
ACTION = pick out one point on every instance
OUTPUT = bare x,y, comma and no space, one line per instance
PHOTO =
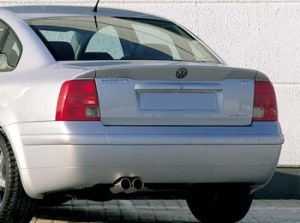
149,122
164,131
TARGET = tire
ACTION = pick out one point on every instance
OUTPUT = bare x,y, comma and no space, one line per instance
15,205
225,207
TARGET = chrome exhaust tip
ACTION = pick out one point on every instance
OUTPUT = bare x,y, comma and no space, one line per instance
125,185
122,185
138,184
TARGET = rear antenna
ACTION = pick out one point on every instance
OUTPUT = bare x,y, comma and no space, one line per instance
96,6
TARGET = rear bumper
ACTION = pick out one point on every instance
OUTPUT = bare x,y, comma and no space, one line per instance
58,156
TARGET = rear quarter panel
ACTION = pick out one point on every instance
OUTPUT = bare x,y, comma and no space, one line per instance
31,96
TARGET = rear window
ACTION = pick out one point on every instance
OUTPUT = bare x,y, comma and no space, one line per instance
109,38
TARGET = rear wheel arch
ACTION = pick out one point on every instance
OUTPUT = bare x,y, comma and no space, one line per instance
17,150
5,134
16,205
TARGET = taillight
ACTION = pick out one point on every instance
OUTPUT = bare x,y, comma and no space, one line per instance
78,101
265,104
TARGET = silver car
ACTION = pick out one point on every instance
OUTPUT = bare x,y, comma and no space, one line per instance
119,104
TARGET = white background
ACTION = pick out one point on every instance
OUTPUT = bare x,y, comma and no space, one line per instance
258,34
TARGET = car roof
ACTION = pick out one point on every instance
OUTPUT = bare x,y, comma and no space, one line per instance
43,11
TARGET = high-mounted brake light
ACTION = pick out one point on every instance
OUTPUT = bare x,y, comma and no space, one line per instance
265,104
78,101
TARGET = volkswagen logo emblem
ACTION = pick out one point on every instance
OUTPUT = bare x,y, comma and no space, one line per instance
182,73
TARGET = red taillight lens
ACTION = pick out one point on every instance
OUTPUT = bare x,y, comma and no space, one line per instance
78,101
265,104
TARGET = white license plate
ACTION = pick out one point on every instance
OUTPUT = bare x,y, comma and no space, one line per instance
206,102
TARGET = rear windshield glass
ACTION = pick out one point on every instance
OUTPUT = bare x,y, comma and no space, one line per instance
111,38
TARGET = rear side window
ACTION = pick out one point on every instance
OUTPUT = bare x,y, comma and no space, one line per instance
3,31
10,49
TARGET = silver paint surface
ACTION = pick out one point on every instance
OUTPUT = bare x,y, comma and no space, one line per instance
198,148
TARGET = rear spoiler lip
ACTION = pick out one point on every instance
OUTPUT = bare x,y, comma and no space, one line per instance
87,75
259,76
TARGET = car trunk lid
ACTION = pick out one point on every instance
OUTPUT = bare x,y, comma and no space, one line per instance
156,94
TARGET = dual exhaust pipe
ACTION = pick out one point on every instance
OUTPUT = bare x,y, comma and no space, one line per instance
127,185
